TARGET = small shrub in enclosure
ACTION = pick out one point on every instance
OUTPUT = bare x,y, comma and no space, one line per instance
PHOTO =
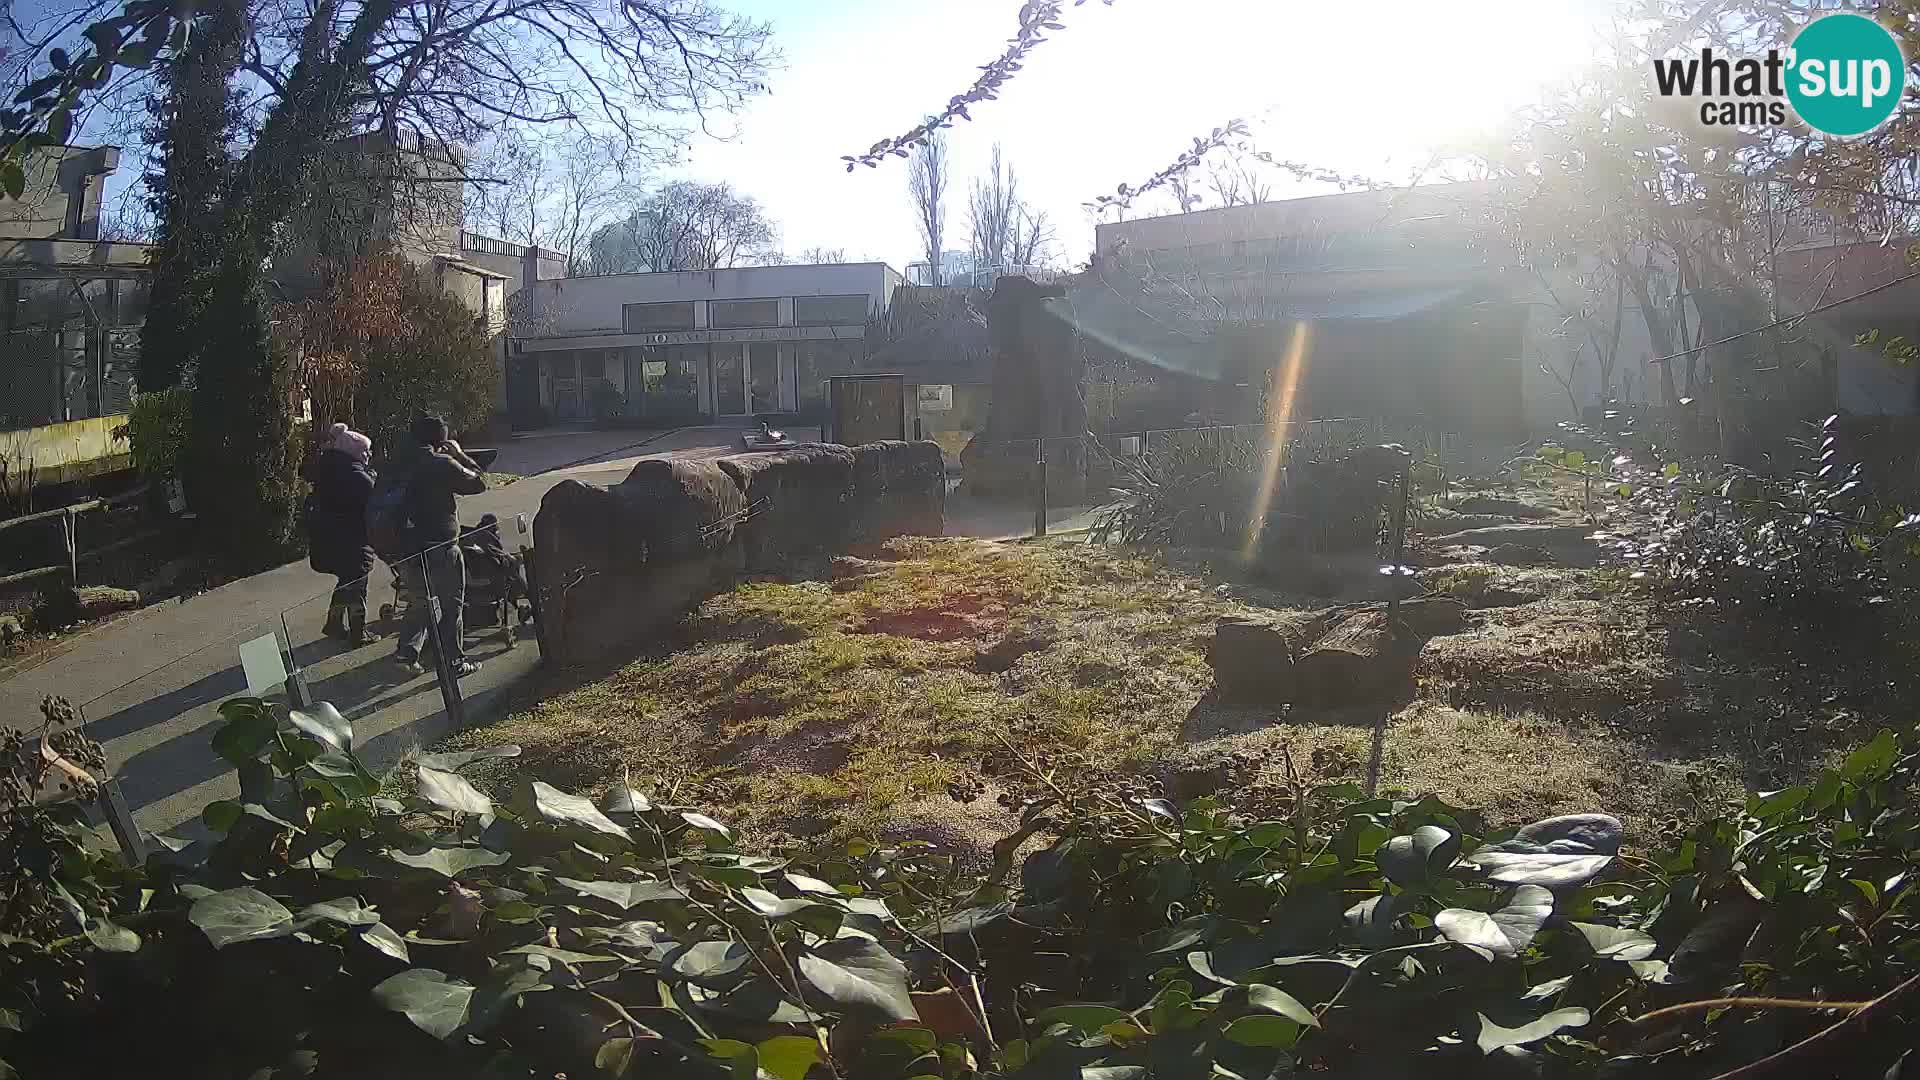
1818,548
335,930
1202,488
157,430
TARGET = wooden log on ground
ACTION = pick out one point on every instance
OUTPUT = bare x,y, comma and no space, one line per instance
1330,657
1253,655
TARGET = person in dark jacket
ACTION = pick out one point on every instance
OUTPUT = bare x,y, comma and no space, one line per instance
437,470
337,528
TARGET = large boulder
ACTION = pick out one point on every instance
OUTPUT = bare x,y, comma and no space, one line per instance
899,489
614,564
796,501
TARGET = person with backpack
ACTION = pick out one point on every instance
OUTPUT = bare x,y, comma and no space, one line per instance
337,529
428,476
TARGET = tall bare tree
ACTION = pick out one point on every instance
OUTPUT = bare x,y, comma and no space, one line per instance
927,183
994,213
687,226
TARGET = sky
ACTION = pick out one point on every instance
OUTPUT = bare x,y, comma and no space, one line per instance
1363,88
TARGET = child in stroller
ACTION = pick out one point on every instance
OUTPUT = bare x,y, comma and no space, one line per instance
496,580
496,583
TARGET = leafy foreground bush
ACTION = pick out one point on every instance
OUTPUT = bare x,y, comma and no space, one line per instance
333,932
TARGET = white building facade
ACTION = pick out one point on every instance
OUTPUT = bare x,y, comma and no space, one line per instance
690,346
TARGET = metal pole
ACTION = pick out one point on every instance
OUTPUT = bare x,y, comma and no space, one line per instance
442,667
113,806
1040,487
1399,549
297,694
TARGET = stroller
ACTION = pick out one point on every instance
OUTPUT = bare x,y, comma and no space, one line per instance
497,593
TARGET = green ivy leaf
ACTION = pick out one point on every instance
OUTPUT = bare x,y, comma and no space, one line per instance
1768,804
109,936
221,814
323,722
1275,1000
1082,1017
560,808
243,914
1505,932
626,894
1871,761
244,735
347,911
381,937
743,1061
450,861
1493,1036
627,799
707,824
774,907
788,1057
811,885
857,973
1264,1031
451,791
1672,470
712,963
1614,943
436,1003
614,1056
1412,861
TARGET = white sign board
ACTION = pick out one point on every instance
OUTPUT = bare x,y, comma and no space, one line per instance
935,397
265,670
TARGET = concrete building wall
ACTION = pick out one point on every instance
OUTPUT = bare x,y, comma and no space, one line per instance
595,305
62,195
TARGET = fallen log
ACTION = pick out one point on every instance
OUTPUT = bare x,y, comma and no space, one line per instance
1334,656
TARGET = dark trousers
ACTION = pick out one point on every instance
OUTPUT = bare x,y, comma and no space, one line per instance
447,573
351,592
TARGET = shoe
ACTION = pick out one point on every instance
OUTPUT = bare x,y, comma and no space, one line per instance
336,624
410,665
465,668
357,635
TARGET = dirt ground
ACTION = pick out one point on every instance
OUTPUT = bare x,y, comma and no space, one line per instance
903,694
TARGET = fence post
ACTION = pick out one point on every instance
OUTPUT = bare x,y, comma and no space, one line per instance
126,832
1399,548
297,694
442,666
1040,487
67,534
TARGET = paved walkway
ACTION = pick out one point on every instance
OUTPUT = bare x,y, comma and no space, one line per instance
149,686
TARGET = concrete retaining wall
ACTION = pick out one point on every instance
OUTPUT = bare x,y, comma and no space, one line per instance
615,565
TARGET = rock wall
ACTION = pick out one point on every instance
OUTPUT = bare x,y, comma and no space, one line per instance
615,565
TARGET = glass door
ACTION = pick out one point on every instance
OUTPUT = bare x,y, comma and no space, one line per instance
729,379
763,365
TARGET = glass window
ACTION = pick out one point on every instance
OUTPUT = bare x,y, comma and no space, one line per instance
731,314
763,377
670,382
830,310
814,364
648,318
729,379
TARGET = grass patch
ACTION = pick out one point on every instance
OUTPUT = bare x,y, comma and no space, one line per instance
825,706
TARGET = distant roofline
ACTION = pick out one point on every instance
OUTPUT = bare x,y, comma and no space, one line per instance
718,270
1297,200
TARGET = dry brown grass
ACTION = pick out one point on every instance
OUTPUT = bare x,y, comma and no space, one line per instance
854,702
811,706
